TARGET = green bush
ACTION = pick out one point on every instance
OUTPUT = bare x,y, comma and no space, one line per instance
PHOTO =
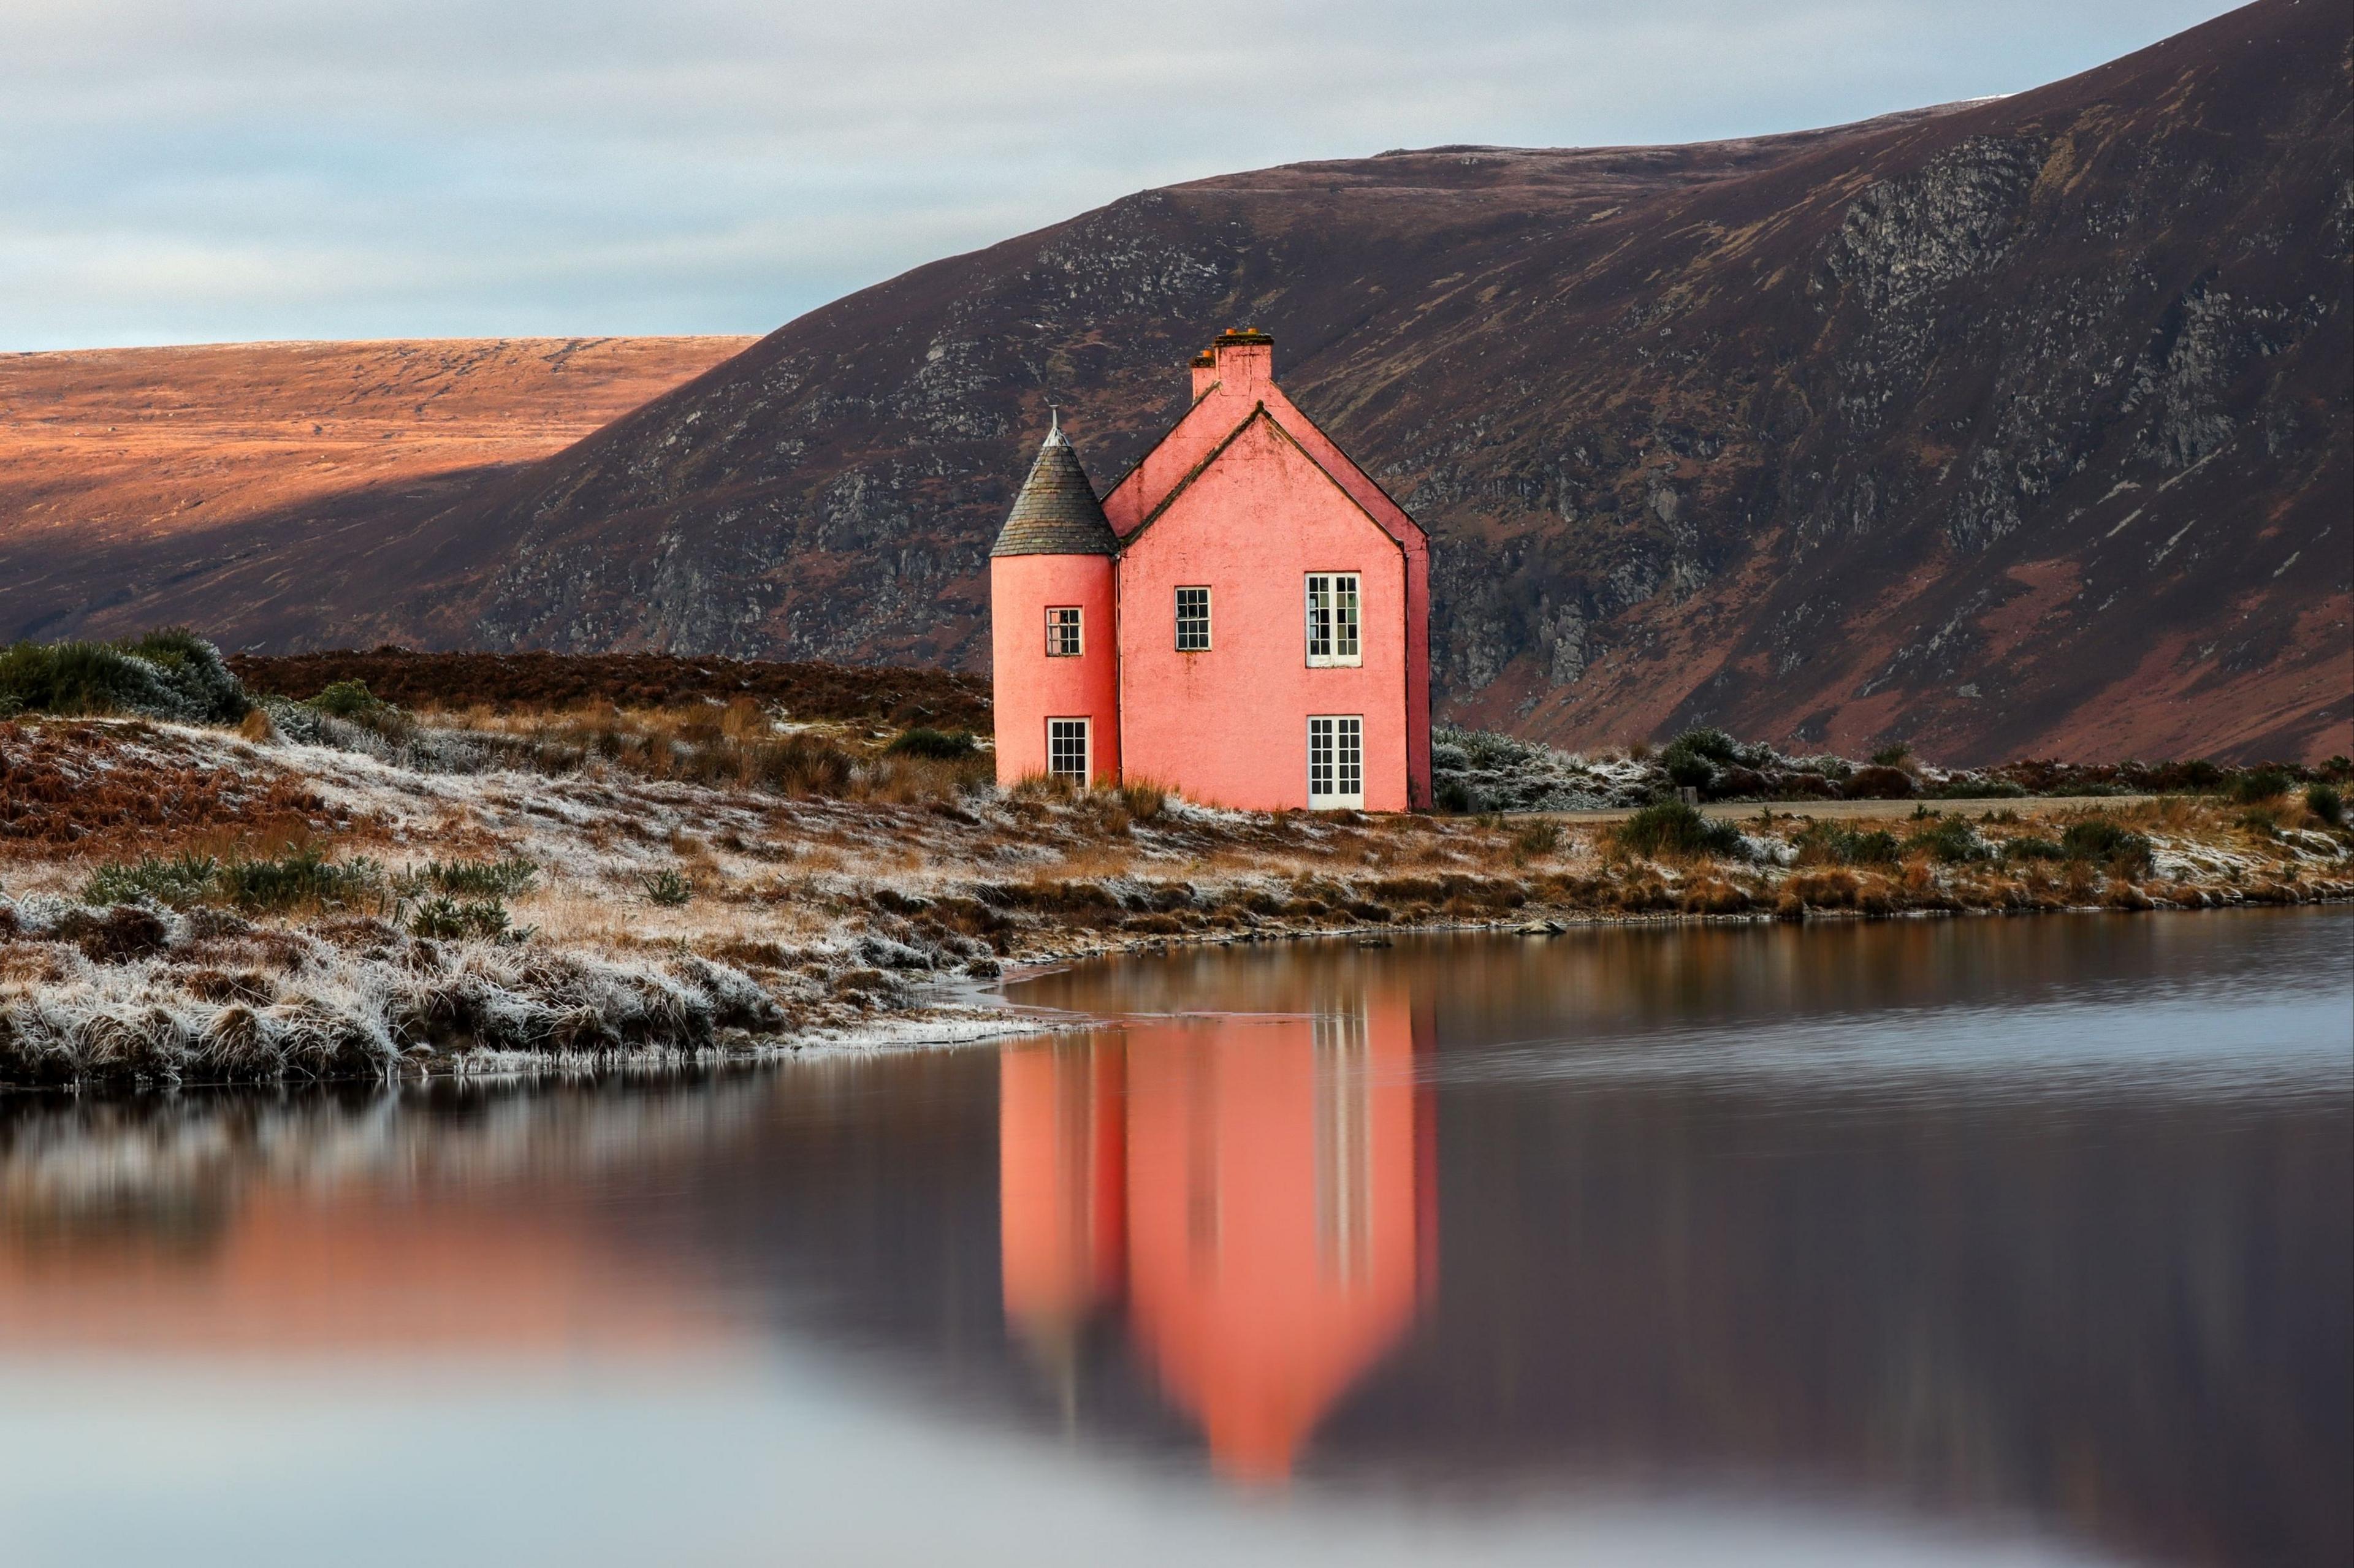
1538,838
467,878
2260,784
2324,801
1693,758
1673,828
1895,754
178,882
1949,840
168,674
2098,839
1845,846
2027,846
347,700
943,745
304,876
447,919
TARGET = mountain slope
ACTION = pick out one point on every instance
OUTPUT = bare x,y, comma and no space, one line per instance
113,459
2015,426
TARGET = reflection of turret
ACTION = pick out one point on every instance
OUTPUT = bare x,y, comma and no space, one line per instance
1062,1189
1276,1233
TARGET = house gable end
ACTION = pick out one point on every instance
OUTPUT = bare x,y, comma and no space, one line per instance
1209,459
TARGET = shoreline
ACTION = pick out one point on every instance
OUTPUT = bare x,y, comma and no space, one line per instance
443,916
924,1028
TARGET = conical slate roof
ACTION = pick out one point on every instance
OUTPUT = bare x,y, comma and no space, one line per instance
1057,512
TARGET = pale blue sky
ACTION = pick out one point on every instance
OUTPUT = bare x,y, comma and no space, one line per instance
176,171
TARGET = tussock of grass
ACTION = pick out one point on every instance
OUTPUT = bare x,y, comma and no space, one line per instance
1673,828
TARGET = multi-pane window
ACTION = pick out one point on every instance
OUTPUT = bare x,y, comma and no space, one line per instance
1193,620
1067,749
1063,634
1333,619
1336,761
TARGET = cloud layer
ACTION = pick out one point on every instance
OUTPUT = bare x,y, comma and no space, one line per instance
363,168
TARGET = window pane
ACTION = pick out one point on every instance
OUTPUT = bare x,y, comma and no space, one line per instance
1063,640
1345,616
1193,620
1067,749
1320,617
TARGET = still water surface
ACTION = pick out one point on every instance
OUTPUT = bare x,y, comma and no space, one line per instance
1960,1242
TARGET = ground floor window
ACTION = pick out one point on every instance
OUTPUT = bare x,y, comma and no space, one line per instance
1336,761
1067,749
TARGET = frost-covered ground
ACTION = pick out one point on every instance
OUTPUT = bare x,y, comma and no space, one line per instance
662,919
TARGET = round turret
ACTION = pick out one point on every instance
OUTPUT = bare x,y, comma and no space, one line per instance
1054,636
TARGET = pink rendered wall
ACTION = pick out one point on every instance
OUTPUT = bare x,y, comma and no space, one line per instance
1030,687
1229,727
1226,393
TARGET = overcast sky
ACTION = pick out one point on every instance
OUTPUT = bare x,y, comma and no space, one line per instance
179,171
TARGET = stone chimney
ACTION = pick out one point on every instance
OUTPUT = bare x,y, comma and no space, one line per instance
1241,359
1205,373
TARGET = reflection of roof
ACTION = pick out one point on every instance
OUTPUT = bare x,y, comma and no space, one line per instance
1057,512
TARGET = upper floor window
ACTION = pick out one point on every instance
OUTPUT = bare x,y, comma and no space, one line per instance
1063,640
1333,619
1193,620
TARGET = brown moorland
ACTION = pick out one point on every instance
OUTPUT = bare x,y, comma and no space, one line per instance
104,451
512,682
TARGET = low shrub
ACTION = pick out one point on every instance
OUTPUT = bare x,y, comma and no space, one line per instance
347,699
467,878
2260,784
447,919
1538,838
1673,828
176,880
2325,802
1880,782
1827,843
1892,756
1949,841
2027,846
169,674
304,876
2097,839
941,745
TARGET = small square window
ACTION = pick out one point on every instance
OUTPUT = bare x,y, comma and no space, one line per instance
1067,749
1063,640
1333,602
1193,620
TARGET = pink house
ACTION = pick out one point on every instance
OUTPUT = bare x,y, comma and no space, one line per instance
1245,617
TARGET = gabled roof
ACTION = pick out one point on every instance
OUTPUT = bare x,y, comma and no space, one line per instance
1056,514
1260,412
1216,417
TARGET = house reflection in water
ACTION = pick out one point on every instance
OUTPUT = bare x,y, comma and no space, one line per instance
1255,1194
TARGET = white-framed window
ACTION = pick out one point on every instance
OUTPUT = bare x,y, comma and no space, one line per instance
1192,620
1336,761
1067,749
1333,599
1063,639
